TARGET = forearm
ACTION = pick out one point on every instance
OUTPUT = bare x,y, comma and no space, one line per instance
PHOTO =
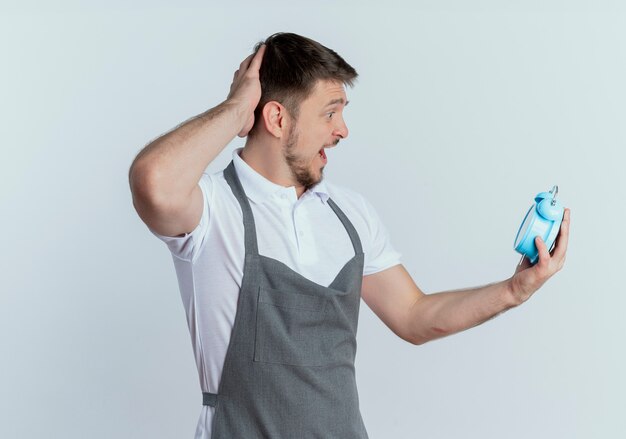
172,165
440,314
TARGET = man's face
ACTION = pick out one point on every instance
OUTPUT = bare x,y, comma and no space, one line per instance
320,124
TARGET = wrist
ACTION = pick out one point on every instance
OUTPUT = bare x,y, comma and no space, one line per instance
514,297
238,109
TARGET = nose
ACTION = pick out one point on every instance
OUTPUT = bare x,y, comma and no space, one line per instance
341,130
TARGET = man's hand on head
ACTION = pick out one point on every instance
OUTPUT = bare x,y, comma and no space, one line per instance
245,89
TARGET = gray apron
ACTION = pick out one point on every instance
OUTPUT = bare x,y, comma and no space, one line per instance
289,368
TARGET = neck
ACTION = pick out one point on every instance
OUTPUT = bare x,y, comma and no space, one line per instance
267,160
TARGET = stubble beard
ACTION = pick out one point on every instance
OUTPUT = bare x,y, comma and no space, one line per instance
300,168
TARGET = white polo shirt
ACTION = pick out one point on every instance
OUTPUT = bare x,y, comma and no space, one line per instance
304,233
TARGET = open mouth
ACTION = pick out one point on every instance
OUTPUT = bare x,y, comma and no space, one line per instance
322,154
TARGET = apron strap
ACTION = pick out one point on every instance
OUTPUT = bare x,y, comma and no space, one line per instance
209,399
250,238
251,246
354,236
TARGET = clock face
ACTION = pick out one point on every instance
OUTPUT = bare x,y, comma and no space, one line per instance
528,219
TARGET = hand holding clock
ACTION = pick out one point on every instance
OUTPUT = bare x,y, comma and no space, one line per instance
529,278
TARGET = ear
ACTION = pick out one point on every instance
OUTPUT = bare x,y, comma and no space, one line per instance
276,119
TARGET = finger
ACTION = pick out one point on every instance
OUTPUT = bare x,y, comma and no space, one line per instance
256,62
544,256
563,237
245,63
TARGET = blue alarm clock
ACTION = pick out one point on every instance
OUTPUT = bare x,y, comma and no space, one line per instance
542,219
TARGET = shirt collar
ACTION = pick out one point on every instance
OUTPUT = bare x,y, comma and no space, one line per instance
260,190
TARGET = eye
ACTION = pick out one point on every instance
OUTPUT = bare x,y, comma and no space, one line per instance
330,114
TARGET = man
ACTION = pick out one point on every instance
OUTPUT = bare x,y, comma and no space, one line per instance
272,260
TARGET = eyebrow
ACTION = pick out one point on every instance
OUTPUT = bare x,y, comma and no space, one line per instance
337,101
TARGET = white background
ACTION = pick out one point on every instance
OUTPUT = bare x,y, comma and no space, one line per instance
461,114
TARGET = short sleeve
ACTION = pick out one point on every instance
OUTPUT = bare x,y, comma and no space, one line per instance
189,246
379,252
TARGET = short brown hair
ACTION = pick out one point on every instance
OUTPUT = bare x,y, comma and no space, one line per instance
291,66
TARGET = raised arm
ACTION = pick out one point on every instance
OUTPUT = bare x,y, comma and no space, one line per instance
164,176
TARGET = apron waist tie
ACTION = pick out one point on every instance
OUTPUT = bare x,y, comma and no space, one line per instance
209,398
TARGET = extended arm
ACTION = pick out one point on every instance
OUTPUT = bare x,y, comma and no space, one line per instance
417,317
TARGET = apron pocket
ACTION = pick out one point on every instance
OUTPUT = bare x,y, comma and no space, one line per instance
291,329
